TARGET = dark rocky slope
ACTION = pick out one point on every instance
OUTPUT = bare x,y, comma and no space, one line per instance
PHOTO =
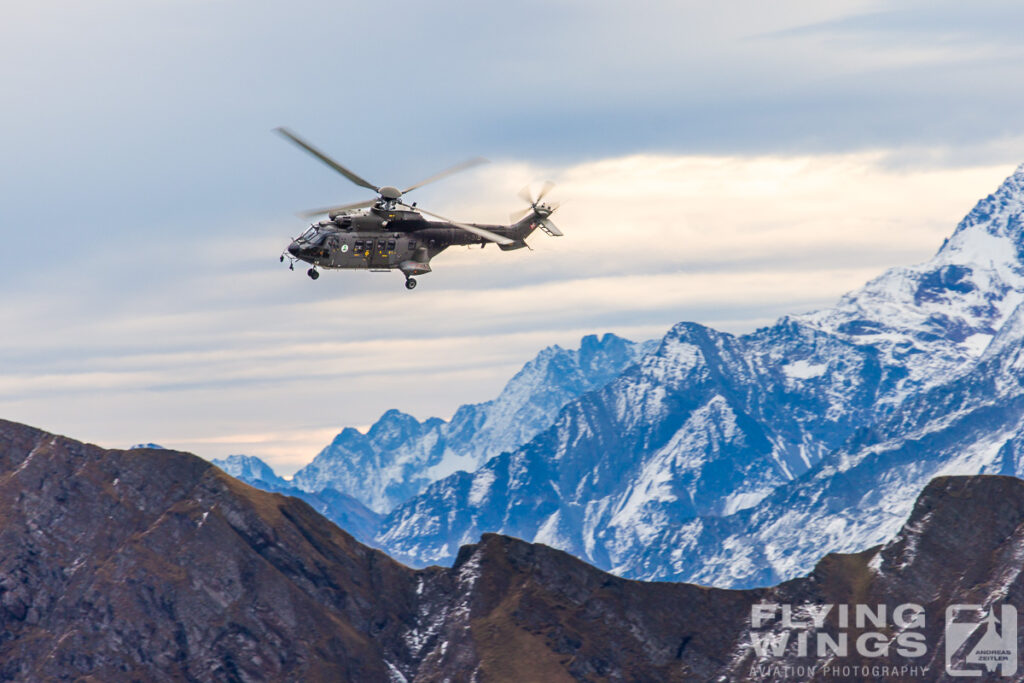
155,565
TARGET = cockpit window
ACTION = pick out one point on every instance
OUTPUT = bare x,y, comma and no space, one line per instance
309,234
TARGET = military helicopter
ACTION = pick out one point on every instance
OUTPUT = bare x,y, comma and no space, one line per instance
385,233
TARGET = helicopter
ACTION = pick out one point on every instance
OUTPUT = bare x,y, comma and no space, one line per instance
385,233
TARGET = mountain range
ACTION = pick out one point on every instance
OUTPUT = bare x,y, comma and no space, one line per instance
151,564
399,455
728,460
735,460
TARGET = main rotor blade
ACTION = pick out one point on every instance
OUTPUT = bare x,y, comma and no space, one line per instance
469,163
544,190
480,232
335,209
326,159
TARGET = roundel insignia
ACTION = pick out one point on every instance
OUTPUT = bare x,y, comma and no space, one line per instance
344,248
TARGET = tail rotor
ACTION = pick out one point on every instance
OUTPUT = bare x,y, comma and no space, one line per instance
539,209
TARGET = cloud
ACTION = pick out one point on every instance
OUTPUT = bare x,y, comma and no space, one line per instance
208,340
725,163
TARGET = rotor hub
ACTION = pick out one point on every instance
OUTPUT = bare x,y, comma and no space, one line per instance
389,192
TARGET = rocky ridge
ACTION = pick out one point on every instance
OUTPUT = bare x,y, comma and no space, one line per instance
155,565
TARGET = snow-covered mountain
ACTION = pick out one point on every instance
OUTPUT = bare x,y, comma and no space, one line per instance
343,510
739,460
251,470
707,424
399,455
857,496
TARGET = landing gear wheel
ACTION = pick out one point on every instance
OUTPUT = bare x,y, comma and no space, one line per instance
312,273
410,283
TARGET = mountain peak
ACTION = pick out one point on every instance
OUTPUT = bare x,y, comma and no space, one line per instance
249,469
400,456
394,426
999,214
395,416
931,320
149,446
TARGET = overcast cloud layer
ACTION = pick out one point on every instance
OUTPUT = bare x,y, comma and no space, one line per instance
720,164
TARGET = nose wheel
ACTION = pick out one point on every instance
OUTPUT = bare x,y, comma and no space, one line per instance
410,283
313,273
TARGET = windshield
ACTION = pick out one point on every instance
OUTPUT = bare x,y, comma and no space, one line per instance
309,234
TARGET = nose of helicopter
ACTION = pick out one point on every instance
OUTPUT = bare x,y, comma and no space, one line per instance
294,249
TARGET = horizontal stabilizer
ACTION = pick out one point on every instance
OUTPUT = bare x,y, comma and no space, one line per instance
549,227
517,244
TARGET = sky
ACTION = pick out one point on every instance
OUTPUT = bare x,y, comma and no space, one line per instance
725,163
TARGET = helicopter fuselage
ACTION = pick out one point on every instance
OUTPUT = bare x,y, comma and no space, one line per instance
382,239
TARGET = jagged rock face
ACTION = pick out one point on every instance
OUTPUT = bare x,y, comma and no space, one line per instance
732,460
860,494
155,565
930,321
386,464
399,456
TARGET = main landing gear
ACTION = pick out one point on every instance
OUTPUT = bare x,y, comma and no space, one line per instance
313,273
410,283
